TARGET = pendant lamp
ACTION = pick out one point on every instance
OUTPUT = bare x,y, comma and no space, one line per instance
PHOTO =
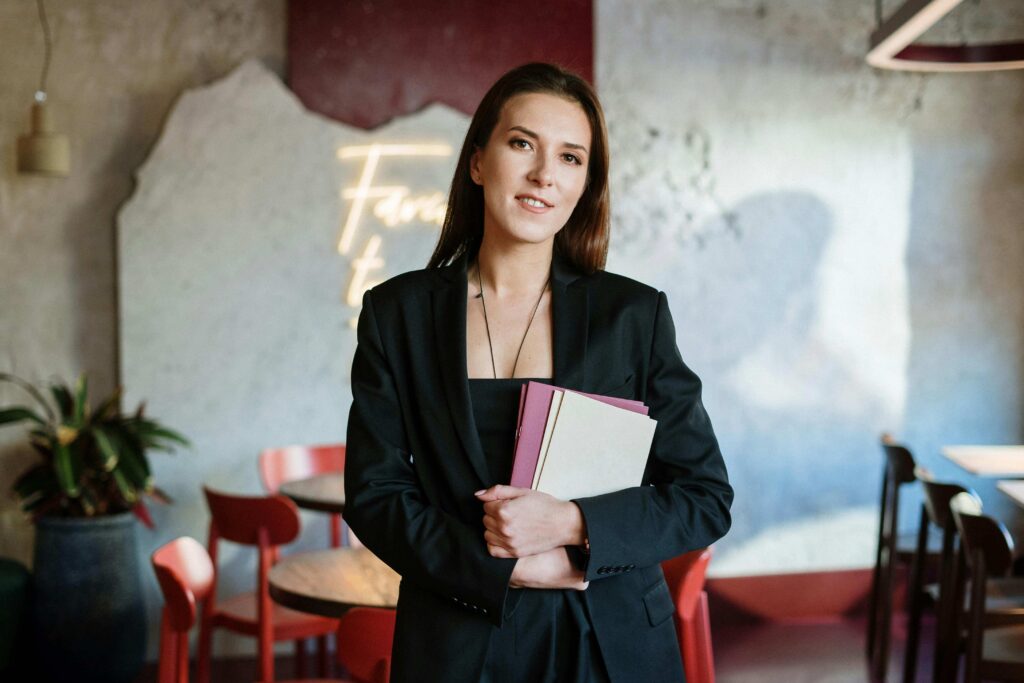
43,151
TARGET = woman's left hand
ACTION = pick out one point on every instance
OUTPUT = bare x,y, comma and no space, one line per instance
522,522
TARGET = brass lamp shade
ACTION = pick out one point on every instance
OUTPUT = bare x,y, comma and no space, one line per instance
43,151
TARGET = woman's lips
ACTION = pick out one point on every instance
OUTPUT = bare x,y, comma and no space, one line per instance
533,204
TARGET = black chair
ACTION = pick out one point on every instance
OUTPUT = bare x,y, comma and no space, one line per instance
993,652
900,470
947,594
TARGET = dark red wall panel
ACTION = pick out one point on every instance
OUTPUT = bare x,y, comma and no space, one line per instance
366,62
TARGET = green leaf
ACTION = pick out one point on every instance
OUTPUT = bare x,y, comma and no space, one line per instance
126,489
36,480
32,391
64,463
109,408
89,502
65,404
135,466
81,399
19,413
154,435
108,454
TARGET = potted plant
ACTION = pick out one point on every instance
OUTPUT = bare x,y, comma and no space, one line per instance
83,494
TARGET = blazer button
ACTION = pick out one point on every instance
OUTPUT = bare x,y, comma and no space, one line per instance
602,570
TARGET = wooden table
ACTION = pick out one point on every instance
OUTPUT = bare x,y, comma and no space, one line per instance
324,492
330,582
988,461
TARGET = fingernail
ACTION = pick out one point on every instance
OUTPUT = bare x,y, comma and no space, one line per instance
480,492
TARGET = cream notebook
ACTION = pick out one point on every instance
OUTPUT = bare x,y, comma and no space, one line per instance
592,448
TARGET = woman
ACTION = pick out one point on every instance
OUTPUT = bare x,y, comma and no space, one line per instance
499,583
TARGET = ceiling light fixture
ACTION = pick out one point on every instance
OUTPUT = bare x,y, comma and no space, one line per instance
892,43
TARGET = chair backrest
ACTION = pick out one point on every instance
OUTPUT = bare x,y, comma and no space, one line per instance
278,465
241,518
982,538
899,462
685,577
937,496
185,574
364,643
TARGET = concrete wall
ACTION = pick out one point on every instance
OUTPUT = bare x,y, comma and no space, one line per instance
117,68
842,247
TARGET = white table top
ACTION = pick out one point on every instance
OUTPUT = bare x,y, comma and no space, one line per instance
1014,488
988,461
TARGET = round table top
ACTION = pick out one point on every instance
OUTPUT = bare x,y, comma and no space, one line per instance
330,582
323,492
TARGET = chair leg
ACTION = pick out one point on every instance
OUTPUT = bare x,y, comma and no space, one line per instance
703,636
975,625
916,595
947,625
183,657
322,656
884,627
205,647
300,658
876,575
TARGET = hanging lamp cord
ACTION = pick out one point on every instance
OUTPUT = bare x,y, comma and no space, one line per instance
48,42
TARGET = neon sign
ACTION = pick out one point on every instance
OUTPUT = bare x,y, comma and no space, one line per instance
393,205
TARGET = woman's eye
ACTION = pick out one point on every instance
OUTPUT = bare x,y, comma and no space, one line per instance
572,159
519,143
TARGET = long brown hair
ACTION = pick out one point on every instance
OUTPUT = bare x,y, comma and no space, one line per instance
583,241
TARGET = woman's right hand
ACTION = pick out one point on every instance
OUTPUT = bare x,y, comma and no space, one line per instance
550,569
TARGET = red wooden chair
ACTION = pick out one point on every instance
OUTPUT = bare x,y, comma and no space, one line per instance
685,577
265,522
278,465
186,576
364,643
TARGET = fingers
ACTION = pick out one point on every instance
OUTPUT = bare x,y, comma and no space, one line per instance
494,541
499,551
500,492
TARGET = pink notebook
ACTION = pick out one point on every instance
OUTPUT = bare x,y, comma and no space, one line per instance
534,402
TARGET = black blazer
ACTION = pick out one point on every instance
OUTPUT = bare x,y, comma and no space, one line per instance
414,460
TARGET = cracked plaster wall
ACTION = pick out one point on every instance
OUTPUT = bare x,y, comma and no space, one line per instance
842,247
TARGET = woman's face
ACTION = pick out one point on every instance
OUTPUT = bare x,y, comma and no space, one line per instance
533,169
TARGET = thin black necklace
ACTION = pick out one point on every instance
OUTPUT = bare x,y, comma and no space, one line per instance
487,326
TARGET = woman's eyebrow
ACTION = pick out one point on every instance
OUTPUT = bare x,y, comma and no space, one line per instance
530,133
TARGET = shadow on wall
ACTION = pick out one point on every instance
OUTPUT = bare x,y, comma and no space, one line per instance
966,286
796,421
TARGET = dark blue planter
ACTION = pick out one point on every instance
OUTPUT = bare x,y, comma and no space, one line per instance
88,614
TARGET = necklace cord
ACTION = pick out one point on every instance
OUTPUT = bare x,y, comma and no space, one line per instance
487,326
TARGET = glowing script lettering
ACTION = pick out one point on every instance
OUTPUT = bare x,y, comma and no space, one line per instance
393,205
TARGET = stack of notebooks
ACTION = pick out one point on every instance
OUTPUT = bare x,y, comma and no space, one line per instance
573,445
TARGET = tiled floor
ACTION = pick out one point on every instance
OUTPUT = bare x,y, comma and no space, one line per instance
829,652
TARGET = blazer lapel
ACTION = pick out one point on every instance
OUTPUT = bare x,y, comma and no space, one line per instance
570,318
569,312
449,304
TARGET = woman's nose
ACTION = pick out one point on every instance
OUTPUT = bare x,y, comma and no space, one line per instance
541,173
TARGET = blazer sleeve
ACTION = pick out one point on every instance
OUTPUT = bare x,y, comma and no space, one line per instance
684,502
386,506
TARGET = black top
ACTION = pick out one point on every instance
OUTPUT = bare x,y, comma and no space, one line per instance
546,635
